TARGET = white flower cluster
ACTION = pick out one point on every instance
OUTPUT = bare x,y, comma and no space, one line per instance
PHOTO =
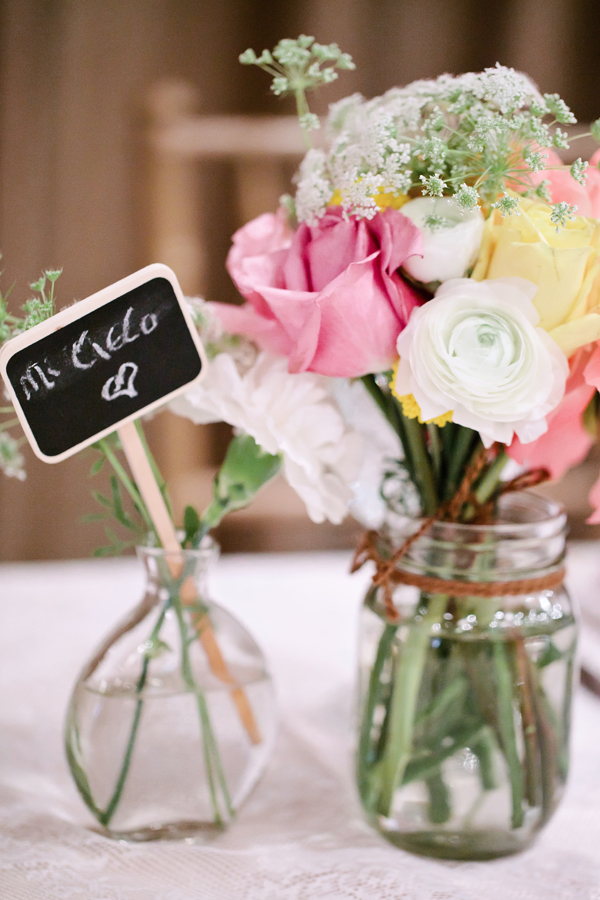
434,135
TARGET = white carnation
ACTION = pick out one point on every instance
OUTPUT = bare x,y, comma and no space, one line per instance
451,238
289,414
382,451
475,349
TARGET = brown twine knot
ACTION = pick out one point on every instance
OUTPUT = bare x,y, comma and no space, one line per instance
387,574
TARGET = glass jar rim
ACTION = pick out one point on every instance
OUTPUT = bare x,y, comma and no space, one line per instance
208,549
544,513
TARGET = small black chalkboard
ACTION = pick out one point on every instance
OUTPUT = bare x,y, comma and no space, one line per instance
102,362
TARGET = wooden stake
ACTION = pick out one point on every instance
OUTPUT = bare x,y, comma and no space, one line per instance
157,508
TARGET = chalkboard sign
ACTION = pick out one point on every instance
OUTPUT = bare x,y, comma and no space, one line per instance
102,362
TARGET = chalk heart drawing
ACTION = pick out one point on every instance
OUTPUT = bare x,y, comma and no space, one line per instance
121,384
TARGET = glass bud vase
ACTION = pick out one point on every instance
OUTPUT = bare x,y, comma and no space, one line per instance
172,722
465,701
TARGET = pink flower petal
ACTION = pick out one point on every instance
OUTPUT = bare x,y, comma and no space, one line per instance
330,294
594,499
566,442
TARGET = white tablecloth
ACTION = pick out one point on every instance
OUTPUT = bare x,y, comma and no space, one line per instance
301,835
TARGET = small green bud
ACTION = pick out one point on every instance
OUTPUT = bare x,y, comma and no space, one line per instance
436,223
559,109
595,129
542,191
536,161
38,285
248,57
466,197
265,58
433,185
346,62
537,110
508,206
561,139
578,170
310,122
280,85
562,213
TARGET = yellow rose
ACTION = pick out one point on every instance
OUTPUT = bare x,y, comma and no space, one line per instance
565,265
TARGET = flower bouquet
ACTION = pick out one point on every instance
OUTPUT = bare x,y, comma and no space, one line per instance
433,291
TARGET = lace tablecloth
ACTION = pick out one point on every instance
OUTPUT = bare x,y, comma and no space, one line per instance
301,835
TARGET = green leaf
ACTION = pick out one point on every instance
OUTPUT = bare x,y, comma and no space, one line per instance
118,509
94,517
245,469
97,466
191,523
102,500
550,654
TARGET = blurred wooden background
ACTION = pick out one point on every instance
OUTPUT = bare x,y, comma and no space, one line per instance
76,81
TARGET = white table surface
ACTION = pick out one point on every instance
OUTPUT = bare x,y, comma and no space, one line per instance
301,834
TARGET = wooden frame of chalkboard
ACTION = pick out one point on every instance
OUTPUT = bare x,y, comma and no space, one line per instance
102,362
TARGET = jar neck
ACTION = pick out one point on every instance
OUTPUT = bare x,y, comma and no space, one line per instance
166,570
526,540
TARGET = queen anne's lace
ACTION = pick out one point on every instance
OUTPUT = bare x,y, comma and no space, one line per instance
442,136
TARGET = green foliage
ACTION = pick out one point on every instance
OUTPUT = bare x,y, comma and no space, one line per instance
477,137
298,66
245,469
36,310
127,513
191,524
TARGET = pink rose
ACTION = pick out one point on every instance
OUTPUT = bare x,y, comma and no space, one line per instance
563,187
566,442
592,376
328,296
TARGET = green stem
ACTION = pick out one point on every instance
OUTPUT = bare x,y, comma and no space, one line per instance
435,449
440,808
373,695
506,727
424,477
392,414
216,511
483,747
422,768
105,816
458,456
403,703
155,470
127,483
302,109
212,756
490,479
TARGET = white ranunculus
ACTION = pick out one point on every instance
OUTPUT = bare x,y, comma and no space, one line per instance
475,349
289,414
451,246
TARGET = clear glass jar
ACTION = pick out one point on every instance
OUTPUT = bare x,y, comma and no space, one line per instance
172,722
465,701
